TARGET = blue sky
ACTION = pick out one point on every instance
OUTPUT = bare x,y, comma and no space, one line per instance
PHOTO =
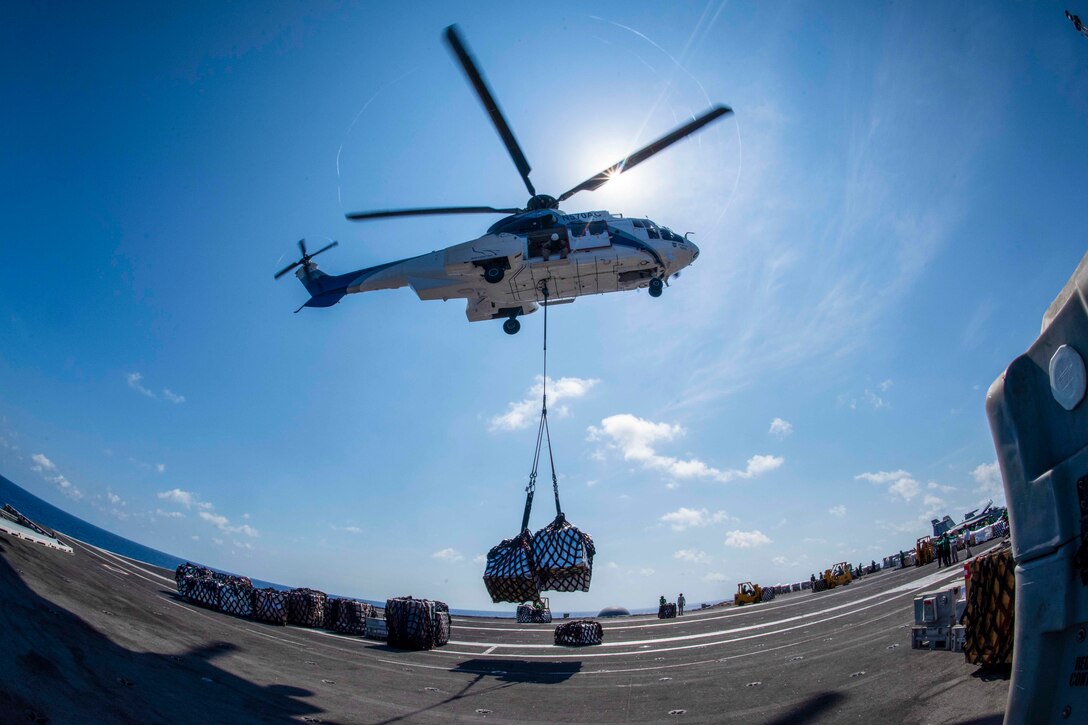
883,222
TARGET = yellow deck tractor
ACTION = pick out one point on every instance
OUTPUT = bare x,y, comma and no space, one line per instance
838,575
748,593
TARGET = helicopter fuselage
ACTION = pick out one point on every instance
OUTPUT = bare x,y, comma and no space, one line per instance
524,260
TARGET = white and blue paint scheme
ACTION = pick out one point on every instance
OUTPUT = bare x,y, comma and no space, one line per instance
522,261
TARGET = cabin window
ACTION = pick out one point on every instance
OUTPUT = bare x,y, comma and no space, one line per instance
652,231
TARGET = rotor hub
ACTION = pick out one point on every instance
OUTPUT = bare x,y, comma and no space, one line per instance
542,201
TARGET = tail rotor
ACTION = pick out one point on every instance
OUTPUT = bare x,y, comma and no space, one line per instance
304,262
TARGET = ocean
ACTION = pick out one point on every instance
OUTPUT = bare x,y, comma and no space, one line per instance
49,515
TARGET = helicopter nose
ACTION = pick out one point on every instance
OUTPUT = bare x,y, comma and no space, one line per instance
694,251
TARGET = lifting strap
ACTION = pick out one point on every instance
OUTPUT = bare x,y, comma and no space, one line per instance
543,434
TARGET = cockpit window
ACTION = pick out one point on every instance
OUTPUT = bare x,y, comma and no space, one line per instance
652,231
669,234
639,224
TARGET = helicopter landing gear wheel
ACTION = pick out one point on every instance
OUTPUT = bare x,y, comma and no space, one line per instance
656,286
511,326
494,275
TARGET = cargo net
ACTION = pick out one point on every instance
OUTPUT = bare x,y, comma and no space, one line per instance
510,574
564,557
332,611
270,605
579,633
191,571
416,623
991,601
306,607
351,617
666,611
186,584
528,614
441,628
205,592
236,599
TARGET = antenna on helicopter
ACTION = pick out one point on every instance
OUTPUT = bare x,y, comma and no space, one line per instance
306,257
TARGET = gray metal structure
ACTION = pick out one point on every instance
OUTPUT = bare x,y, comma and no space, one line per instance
1039,423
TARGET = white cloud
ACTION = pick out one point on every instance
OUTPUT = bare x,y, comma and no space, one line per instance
160,467
988,478
522,413
783,561
899,483
695,557
448,554
839,511
591,484
48,470
715,577
612,565
479,559
217,542
780,428
43,463
223,524
170,514
334,527
134,383
635,439
176,495
685,518
646,572
114,498
746,539
172,396
194,537
885,386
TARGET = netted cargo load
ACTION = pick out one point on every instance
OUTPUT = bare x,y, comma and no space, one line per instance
528,614
579,633
188,569
231,579
441,628
186,584
991,603
332,611
270,605
564,557
236,599
666,611
205,592
819,585
306,607
767,594
351,617
510,573
412,623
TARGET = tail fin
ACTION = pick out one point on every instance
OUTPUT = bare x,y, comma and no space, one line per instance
325,291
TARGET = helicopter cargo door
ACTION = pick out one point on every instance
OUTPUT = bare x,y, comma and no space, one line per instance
591,235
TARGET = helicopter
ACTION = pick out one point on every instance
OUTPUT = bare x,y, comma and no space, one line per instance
536,255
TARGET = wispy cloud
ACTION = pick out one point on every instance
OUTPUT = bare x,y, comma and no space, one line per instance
135,382
746,539
900,483
839,511
176,495
520,414
347,529
223,524
780,428
636,439
988,478
448,554
48,470
685,518
713,577
169,514
692,555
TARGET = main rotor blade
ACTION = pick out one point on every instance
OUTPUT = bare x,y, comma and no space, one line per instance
595,182
285,270
359,216
325,248
468,64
